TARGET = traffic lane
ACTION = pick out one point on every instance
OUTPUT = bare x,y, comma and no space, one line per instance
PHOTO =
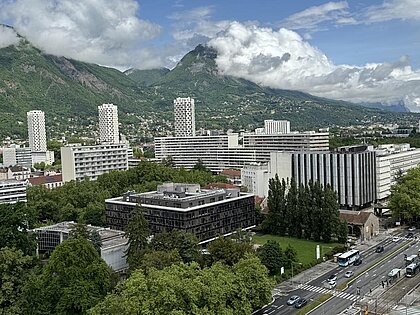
280,307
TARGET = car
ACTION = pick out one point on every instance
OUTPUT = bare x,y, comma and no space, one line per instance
332,277
300,303
412,228
330,284
293,299
379,249
395,239
410,235
349,274
357,262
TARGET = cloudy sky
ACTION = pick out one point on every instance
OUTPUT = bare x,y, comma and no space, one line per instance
361,51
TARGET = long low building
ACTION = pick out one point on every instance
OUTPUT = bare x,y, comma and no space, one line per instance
90,161
207,213
225,151
12,191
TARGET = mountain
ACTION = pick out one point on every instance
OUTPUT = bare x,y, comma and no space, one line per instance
397,107
146,77
69,92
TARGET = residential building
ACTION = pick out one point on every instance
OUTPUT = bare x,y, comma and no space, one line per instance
12,191
276,126
36,131
225,151
15,172
184,111
255,177
350,171
49,181
46,157
114,243
108,123
233,176
15,155
90,161
392,161
361,224
207,213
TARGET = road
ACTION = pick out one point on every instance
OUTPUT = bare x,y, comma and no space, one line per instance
365,280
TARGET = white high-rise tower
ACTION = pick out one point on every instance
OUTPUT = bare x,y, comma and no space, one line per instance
36,131
276,126
184,111
108,123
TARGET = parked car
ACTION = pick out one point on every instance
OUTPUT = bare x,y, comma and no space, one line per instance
410,235
395,239
412,228
293,299
379,249
301,303
349,274
332,277
358,261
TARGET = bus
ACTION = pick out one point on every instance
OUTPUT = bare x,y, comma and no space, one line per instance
410,259
412,269
348,257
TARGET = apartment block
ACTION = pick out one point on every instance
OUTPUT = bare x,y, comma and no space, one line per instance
12,191
108,123
184,112
36,131
91,161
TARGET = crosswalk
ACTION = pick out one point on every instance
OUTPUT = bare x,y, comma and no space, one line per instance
339,294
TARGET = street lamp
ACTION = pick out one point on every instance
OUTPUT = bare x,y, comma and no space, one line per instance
292,262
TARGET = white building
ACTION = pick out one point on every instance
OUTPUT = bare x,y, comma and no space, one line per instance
223,152
15,172
36,131
46,157
91,161
184,111
393,160
114,243
12,191
108,123
15,155
276,126
255,177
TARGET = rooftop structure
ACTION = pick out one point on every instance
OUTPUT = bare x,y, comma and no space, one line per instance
113,246
207,213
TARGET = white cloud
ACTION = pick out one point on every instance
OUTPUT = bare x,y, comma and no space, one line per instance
7,36
392,10
313,18
100,31
282,59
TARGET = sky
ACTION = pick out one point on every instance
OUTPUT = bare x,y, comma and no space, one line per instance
359,51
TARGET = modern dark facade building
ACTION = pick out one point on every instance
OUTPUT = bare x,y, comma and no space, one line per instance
207,213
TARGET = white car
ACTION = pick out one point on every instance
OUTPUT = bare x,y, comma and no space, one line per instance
395,239
331,284
349,274
292,300
411,229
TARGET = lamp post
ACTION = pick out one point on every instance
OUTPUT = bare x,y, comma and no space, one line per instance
292,262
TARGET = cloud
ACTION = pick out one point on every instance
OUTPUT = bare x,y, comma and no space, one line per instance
99,31
314,18
392,10
7,36
283,59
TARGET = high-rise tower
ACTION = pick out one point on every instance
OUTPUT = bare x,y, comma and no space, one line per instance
184,111
36,131
108,123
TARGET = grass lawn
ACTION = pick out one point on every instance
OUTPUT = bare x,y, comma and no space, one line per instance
306,250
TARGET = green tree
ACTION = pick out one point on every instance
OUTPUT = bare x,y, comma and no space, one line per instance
75,279
228,251
275,220
330,214
290,255
15,220
185,243
342,232
137,232
160,259
271,256
168,161
199,166
293,211
14,266
404,201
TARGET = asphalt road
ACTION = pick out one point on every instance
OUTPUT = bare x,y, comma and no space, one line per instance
366,281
